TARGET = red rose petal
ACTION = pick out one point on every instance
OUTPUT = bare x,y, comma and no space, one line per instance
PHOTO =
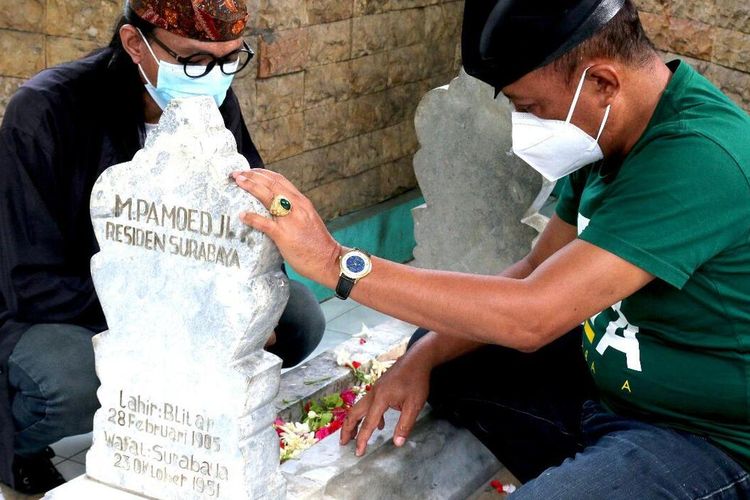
322,433
348,397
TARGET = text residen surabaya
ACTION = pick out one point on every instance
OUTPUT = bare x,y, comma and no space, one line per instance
177,217
186,247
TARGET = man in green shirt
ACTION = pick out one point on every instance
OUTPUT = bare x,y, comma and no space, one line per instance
647,259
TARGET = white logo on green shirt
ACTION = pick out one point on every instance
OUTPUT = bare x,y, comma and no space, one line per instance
583,222
625,343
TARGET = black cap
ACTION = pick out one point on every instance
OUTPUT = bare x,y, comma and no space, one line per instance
503,40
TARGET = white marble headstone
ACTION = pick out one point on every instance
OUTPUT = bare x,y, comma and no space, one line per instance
190,295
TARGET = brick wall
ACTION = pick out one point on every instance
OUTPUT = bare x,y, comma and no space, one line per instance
337,85
713,35
331,95
35,34
329,98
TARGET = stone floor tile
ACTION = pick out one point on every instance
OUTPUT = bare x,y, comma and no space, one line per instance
80,457
333,308
72,445
352,321
70,469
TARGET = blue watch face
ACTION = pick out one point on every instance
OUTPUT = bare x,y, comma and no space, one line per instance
355,264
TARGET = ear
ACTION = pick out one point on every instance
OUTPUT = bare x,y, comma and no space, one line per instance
133,43
607,80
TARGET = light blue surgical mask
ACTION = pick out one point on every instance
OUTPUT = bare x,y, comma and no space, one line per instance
172,82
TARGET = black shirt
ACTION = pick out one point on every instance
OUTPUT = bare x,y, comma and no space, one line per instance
61,130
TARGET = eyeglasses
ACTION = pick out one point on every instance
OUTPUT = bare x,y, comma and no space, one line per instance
201,63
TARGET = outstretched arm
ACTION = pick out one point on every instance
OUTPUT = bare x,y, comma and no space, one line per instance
571,285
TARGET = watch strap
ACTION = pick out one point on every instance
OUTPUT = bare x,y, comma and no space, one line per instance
344,287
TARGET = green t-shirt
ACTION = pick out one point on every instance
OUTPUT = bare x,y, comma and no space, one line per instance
677,352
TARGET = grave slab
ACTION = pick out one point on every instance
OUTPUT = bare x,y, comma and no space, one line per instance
439,461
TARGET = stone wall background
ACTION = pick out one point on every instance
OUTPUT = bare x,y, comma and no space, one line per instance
713,35
331,94
329,98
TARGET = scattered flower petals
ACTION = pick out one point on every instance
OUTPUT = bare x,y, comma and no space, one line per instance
277,425
322,433
349,397
502,488
325,416
363,333
343,358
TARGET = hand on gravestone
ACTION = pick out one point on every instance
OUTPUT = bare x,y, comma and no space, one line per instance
301,235
404,387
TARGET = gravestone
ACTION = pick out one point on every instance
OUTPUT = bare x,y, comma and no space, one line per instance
191,295
481,202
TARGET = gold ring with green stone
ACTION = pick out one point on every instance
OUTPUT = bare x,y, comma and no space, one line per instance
280,206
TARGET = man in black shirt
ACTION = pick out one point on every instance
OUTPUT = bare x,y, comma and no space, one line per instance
60,131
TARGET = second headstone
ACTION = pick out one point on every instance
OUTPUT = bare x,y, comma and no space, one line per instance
480,198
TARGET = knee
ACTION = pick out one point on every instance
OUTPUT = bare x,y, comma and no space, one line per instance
303,315
46,412
72,404
52,374
81,398
301,326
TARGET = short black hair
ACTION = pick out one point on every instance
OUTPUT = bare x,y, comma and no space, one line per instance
130,17
622,39
126,87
